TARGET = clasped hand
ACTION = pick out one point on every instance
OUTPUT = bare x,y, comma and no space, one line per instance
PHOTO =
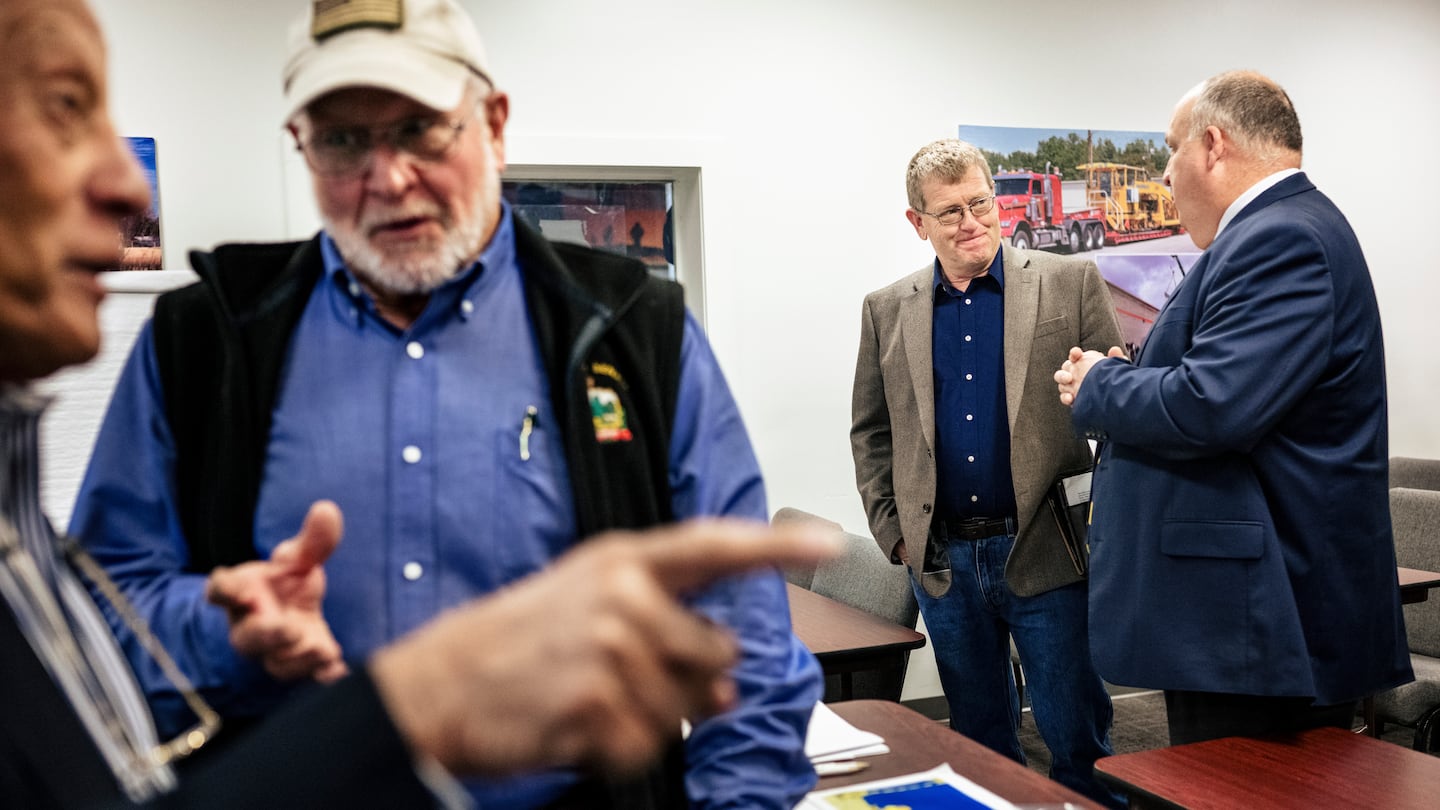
1072,372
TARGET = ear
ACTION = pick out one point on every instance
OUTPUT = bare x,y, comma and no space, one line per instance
497,112
918,222
1216,145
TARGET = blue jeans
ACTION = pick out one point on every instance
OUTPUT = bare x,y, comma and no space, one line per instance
970,629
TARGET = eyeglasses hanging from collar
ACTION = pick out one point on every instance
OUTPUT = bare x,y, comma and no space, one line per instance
65,646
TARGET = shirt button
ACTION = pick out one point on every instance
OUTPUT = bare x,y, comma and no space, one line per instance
970,458
969,417
967,302
411,454
967,338
354,290
412,571
467,306
969,376
973,499
415,350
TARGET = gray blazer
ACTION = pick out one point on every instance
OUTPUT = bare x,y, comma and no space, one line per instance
1051,304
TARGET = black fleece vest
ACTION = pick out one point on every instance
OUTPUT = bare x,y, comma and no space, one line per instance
221,345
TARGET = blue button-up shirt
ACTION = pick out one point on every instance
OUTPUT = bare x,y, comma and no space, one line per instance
415,433
972,428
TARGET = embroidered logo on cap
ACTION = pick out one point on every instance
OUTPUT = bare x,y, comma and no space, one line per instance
606,411
330,17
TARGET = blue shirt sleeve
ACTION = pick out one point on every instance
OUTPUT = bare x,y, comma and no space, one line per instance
752,756
126,516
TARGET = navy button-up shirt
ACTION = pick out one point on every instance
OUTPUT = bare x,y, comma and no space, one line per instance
972,432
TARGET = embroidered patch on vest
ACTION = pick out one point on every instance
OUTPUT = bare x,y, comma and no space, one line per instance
606,411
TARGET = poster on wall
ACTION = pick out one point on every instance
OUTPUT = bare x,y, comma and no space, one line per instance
140,233
1140,283
630,217
1095,193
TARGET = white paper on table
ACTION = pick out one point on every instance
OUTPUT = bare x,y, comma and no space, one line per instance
941,775
851,753
831,738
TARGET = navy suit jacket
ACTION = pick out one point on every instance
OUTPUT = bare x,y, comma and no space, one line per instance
1240,538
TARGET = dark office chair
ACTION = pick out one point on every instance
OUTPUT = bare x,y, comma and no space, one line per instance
1415,514
862,578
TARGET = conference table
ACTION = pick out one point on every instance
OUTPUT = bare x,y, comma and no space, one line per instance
1415,584
846,640
1320,768
918,743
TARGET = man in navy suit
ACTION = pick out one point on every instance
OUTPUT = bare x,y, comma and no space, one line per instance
1241,551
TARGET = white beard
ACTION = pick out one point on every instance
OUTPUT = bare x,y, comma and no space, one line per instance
429,264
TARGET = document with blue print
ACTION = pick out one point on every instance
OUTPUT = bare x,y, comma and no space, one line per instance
939,788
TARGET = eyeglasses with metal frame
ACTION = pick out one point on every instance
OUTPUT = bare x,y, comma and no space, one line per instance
978,207
342,151
28,578
209,722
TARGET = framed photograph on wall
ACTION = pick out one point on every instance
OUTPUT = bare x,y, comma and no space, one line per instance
1140,284
649,213
140,233
1074,190
630,217
1099,194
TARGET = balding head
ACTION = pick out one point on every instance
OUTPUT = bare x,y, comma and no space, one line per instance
1227,134
1254,112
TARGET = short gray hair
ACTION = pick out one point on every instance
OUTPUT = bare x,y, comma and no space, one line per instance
1252,110
949,160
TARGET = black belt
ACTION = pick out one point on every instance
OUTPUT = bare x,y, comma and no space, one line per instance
975,528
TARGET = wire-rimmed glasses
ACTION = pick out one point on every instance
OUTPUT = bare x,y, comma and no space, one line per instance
345,151
953,215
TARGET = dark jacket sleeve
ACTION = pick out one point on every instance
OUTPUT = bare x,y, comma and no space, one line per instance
336,747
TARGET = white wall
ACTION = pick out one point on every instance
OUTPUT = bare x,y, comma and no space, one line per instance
803,115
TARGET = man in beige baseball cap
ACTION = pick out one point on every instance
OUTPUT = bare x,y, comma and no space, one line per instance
430,363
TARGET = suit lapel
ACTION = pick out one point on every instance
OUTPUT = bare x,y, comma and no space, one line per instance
1022,305
916,312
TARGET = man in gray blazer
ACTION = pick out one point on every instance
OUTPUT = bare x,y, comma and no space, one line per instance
958,437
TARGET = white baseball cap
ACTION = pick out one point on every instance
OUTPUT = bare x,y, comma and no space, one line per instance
423,49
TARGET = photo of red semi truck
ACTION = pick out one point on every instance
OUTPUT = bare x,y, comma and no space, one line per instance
1113,205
